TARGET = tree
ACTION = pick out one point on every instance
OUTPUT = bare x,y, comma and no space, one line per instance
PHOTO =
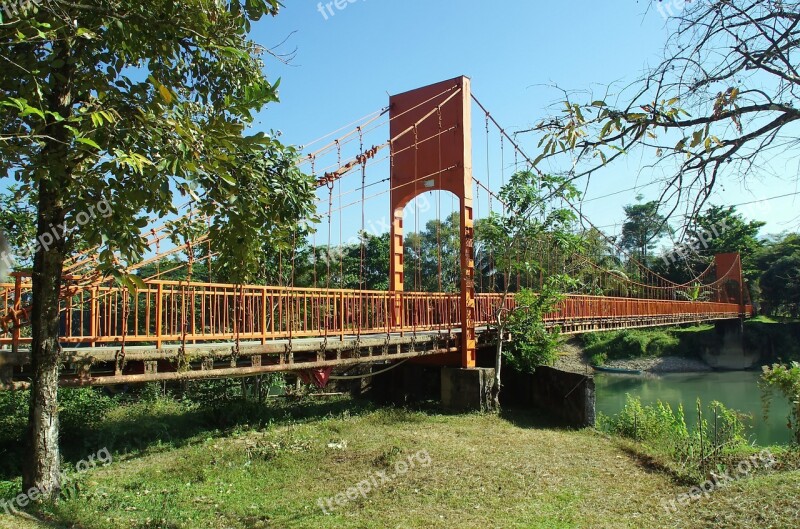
643,226
786,380
132,104
506,238
17,229
432,256
716,231
725,99
780,280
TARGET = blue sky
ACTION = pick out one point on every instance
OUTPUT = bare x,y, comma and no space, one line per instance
514,51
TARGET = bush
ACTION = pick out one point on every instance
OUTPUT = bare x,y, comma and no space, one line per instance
785,379
625,344
13,415
665,430
533,344
81,408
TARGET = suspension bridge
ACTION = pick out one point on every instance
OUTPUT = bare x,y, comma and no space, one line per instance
202,327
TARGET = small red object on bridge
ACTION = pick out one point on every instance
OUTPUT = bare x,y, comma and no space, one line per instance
319,376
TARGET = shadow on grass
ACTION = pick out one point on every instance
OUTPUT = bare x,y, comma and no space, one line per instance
532,419
656,465
135,428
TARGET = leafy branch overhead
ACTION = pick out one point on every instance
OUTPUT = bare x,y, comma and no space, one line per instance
148,106
723,102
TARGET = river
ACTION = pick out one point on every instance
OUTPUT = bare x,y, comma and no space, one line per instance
737,390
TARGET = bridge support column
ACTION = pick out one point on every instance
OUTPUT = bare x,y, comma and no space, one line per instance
431,150
465,390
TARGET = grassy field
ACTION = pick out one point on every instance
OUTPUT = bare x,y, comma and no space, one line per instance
468,471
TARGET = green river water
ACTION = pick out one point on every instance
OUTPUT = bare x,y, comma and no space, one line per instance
736,389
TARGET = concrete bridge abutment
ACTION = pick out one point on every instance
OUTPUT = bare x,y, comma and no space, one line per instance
731,353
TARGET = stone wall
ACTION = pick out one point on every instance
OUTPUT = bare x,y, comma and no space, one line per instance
568,398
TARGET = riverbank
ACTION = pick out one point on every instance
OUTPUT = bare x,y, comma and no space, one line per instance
573,358
683,349
469,471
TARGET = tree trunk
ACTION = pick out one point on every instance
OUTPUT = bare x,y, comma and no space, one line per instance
54,169
498,364
42,466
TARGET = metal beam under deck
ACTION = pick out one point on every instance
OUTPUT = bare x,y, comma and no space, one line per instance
100,366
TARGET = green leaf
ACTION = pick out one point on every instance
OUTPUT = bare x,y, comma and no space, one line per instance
228,178
90,142
165,93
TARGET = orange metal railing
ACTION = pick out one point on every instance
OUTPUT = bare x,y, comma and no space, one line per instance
172,311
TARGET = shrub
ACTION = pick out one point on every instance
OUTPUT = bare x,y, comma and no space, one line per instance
785,379
13,415
533,344
665,430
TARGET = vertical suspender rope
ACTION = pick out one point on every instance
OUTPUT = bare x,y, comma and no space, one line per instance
389,303
363,158
439,204
341,242
439,303
361,283
488,166
208,223
328,319
418,272
502,185
477,216
314,240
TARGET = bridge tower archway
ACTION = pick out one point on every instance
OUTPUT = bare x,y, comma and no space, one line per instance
431,150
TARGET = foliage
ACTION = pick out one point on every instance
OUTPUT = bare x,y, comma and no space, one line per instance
642,228
532,343
648,343
13,416
17,214
80,409
786,380
780,278
716,231
437,247
529,222
631,344
666,430
338,266
145,109
723,101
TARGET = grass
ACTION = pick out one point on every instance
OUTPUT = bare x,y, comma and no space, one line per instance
647,343
484,471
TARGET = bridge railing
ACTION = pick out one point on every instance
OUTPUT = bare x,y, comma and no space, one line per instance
174,311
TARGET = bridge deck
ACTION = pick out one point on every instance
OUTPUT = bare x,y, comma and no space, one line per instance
109,365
